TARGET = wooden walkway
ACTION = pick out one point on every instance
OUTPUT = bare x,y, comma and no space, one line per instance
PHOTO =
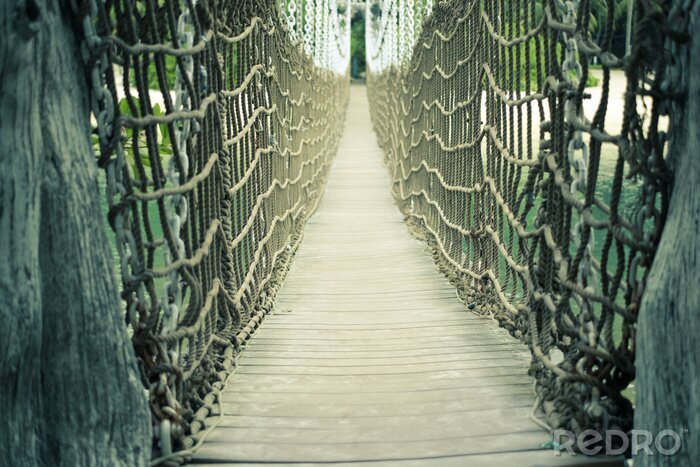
369,356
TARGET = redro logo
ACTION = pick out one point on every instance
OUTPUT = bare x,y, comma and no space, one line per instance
616,442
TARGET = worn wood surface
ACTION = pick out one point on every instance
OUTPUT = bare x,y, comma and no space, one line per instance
668,330
369,356
69,386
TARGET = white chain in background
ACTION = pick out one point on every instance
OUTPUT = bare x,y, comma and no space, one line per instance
410,26
390,40
318,24
386,41
402,49
347,33
309,27
369,36
333,35
320,44
325,35
330,39
324,39
421,13
291,15
384,36
337,48
375,37
339,55
394,28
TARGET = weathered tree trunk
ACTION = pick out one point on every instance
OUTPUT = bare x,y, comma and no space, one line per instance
668,334
69,387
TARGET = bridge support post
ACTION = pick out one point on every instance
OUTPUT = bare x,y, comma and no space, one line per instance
668,340
69,387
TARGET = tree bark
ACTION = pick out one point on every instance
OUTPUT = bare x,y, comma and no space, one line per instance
69,384
668,333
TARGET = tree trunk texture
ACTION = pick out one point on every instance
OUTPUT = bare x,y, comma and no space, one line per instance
668,333
69,385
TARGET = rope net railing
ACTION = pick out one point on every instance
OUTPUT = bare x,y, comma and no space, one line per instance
216,129
541,199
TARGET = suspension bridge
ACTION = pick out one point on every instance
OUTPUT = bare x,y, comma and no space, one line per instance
442,266
369,354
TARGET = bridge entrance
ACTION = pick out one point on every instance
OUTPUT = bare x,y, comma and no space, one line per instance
501,251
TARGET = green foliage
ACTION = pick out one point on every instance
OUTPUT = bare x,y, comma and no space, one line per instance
152,73
592,81
357,45
599,13
140,150
517,59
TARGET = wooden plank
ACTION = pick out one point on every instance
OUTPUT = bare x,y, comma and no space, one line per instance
378,348
487,419
538,458
502,407
318,319
361,434
385,295
319,384
498,390
268,449
373,375
350,346
454,337
369,355
366,335
487,354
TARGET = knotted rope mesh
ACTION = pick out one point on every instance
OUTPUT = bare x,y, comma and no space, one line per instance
216,130
542,200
